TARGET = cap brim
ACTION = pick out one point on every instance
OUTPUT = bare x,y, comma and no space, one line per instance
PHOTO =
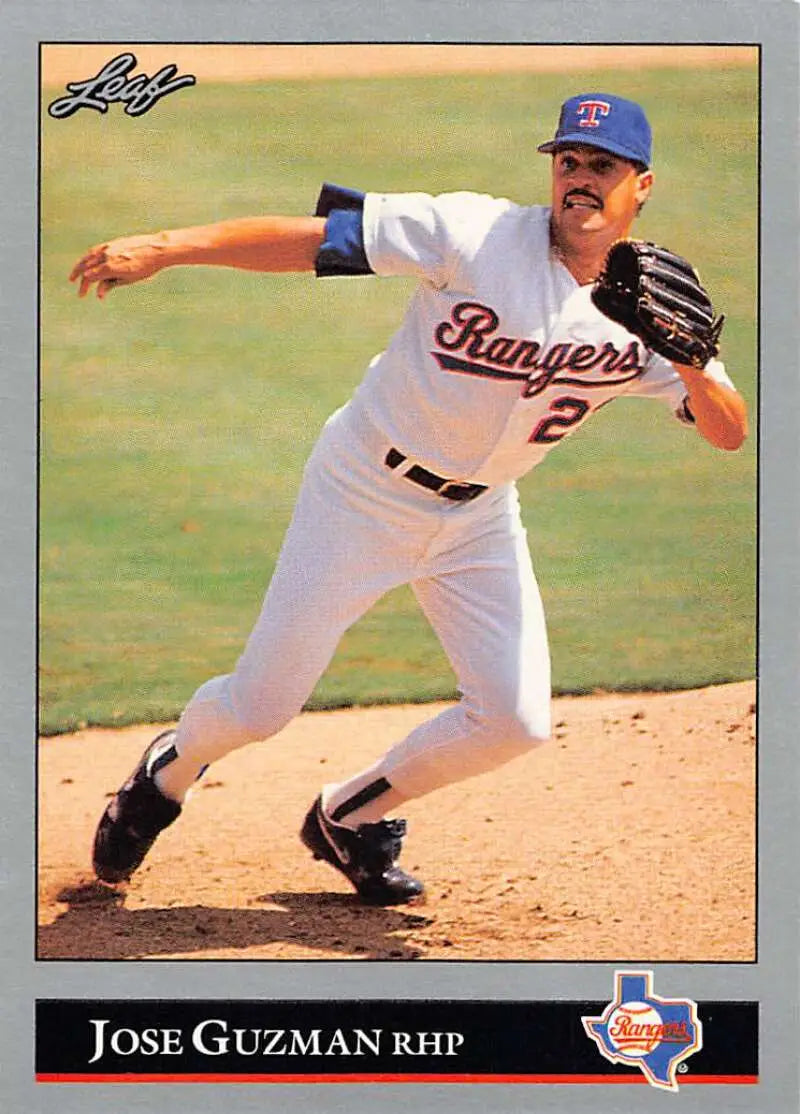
581,139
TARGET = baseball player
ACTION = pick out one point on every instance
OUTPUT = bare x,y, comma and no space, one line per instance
502,355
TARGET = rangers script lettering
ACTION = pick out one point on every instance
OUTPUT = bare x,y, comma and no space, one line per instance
471,327
674,1032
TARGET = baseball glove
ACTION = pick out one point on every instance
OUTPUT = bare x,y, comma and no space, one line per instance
658,297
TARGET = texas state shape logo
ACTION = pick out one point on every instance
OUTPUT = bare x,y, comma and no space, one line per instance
646,1031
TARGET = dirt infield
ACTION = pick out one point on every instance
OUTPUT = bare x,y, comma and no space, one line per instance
630,836
265,62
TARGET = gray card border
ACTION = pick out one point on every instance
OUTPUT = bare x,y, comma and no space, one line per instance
773,24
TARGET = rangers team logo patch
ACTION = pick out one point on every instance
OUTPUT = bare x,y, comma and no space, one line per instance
641,1029
590,110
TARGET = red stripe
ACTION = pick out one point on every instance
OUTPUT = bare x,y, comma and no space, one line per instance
47,1077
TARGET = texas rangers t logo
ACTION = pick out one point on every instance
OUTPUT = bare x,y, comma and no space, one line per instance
640,1028
590,110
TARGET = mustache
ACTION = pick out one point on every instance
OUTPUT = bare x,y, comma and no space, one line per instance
572,194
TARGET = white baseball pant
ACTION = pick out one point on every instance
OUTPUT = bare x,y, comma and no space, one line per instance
358,530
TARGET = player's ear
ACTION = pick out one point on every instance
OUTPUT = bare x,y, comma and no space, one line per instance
644,185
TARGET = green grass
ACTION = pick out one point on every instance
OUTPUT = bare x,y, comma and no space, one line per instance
176,417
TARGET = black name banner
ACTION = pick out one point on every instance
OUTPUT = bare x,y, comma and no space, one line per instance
157,1040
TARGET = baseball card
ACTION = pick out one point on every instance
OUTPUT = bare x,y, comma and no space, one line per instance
391,721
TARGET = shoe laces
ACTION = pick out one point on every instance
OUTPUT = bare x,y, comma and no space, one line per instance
381,842
144,807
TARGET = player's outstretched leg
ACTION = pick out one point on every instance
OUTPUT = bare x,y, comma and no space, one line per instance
135,816
483,601
366,856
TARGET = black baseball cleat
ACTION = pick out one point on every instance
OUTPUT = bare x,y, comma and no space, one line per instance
366,857
137,813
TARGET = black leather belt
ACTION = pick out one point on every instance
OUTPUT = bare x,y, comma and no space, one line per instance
448,489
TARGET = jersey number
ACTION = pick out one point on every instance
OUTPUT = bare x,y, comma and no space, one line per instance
554,426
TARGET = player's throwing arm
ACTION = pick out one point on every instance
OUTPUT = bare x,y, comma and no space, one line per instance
272,244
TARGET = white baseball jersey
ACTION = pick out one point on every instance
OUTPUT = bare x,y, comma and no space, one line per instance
501,353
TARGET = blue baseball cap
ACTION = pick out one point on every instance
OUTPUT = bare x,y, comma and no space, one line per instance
603,120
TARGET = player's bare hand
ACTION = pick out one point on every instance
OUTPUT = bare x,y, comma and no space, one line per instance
118,263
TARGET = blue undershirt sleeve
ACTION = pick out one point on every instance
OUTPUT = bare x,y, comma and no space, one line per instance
342,252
